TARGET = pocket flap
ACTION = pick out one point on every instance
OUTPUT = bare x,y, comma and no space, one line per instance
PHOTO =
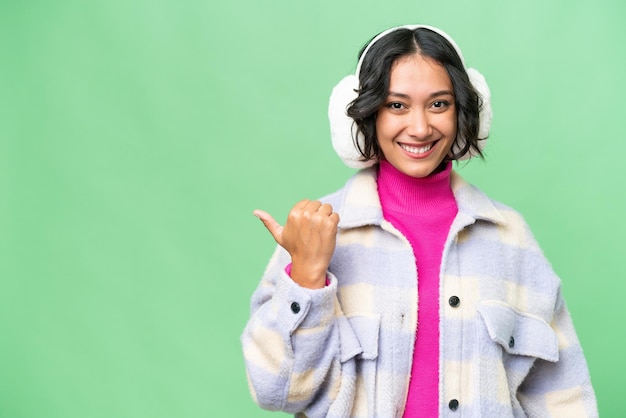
518,332
359,336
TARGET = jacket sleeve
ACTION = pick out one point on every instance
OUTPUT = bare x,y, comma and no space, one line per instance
562,388
291,342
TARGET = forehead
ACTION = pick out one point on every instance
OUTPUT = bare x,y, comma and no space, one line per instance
418,72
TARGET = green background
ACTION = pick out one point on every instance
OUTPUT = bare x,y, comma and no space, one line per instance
136,138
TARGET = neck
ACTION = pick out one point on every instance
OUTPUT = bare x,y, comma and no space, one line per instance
420,196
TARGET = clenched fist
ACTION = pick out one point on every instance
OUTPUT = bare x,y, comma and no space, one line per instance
309,236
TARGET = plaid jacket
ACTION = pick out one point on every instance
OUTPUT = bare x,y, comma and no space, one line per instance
507,344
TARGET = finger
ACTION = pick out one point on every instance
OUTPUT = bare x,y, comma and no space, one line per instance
270,223
312,206
301,205
325,209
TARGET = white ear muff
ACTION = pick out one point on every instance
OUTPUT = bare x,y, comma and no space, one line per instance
343,130
486,113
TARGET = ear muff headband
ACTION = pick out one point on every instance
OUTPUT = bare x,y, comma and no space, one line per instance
344,131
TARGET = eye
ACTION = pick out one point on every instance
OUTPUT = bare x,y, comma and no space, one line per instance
395,106
441,104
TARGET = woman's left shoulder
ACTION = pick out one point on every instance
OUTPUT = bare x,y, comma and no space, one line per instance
511,225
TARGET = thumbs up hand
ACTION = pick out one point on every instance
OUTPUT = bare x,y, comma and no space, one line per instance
309,236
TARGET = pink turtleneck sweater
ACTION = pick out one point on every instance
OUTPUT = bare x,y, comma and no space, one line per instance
423,210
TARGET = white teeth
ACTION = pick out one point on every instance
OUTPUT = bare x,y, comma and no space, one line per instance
417,150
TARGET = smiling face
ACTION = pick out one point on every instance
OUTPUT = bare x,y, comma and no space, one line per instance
416,125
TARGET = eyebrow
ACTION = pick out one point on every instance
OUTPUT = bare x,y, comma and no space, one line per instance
430,96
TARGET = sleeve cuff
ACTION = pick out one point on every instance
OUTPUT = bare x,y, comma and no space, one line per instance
300,307
288,271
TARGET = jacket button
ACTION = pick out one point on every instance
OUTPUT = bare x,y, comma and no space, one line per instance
453,404
511,342
295,307
454,301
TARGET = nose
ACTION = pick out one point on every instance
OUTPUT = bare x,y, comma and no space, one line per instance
419,124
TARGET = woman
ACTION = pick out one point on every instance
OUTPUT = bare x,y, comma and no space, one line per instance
409,292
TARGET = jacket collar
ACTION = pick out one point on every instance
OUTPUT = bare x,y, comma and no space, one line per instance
361,204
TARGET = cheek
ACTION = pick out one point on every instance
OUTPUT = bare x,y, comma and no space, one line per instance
451,126
385,126
453,129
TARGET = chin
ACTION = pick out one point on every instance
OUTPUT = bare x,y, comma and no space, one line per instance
417,173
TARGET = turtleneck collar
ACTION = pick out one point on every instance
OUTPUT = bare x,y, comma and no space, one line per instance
402,193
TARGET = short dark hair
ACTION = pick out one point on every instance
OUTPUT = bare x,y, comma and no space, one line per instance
374,81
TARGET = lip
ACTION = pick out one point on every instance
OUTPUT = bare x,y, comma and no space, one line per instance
418,156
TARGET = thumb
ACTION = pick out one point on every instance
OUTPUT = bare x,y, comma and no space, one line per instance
270,223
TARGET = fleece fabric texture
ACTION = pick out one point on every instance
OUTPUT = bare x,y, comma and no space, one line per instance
507,349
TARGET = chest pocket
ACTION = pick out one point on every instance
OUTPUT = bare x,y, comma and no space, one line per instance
359,336
519,333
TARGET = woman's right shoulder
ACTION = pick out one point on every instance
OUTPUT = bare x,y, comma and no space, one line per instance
334,199
337,198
